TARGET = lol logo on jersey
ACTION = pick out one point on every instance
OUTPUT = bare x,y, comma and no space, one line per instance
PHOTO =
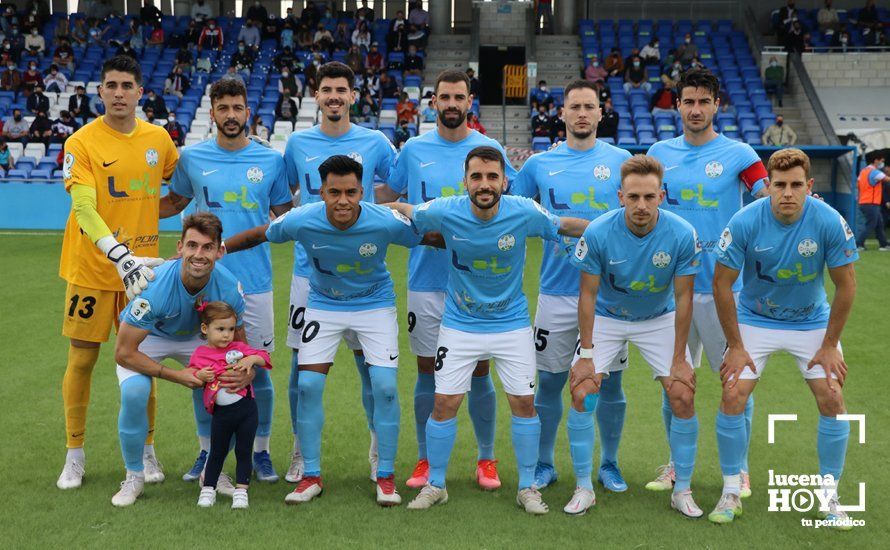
803,492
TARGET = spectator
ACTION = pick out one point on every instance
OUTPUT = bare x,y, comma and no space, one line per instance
288,35
372,84
787,16
388,86
149,115
201,10
211,37
636,76
35,44
603,91
557,126
361,37
868,15
870,183
475,89
364,13
541,123
184,58
614,64
79,33
725,102
774,79
286,109
323,39
374,59
687,51
41,129
133,36
540,96
544,10
150,14
258,129
650,54
156,103
126,49
98,10
32,78
96,106
174,128
342,37
232,74
608,126
418,16
250,35
428,114
664,101
79,104
397,37
635,52
6,160
671,74
17,40
876,37
595,71
257,12
779,134
38,101
11,80
63,56
355,60
402,134
64,126
405,109
413,62
840,40
156,39
55,81
193,32
289,84
243,59
271,29
794,38
417,37
177,83
285,59
62,31
304,37
828,18
16,128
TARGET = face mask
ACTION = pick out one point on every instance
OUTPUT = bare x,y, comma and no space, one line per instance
240,48
773,63
543,88
780,123
596,63
285,74
17,118
880,166
33,68
844,39
34,32
172,118
327,14
212,27
636,64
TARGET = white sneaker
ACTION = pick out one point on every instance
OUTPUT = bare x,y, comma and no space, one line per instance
428,497
131,489
225,486
71,476
239,500
373,458
665,479
530,499
583,499
207,498
295,471
683,503
153,471
745,487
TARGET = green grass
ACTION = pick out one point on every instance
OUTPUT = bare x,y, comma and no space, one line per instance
36,514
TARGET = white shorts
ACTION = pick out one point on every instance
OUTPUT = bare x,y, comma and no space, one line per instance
761,342
705,332
158,349
424,317
556,334
376,331
458,352
259,321
296,316
654,338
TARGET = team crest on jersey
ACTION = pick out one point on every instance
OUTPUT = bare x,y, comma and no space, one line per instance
356,157
581,249
233,356
661,259
725,240
367,249
807,247
507,242
140,308
152,157
602,172
254,174
67,166
713,169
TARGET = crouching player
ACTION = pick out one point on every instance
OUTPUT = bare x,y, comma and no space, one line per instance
782,244
646,259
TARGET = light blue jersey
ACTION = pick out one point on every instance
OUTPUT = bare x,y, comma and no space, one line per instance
239,187
168,310
307,149
582,184
782,265
484,292
637,273
430,167
348,266
703,185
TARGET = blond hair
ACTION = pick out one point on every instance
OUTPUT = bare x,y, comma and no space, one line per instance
642,165
786,159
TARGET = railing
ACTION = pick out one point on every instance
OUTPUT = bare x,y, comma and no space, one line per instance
749,26
662,9
813,98
833,49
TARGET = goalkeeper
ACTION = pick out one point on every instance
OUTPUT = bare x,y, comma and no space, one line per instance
113,169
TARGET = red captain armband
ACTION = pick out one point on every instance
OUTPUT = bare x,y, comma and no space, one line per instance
753,174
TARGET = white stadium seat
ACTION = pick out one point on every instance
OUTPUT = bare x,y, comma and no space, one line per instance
282,127
15,149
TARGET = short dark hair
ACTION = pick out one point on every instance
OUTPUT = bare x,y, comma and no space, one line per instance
124,64
581,85
227,87
488,153
340,165
453,76
699,78
335,69
204,223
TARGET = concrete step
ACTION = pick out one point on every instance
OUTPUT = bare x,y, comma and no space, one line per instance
438,41
558,41
512,140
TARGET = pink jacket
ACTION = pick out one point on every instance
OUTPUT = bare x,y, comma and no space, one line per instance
220,359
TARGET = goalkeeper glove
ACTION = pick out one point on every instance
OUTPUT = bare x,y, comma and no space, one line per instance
134,271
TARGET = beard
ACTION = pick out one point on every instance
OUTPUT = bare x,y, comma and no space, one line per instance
229,133
584,134
496,197
452,124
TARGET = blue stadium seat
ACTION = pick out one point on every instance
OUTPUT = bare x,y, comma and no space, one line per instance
18,174
41,174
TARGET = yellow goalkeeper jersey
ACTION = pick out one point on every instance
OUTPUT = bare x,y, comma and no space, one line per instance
126,171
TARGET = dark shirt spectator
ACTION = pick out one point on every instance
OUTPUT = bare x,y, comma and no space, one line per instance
38,101
636,76
388,86
156,103
184,57
286,109
11,80
401,135
541,123
63,127
868,15
41,129
32,78
413,62
63,55
355,60
177,83
475,89
150,14
257,12
211,37
364,13
541,96
174,128
603,91
608,126
614,64
397,38
243,58
557,125
794,39
342,37
79,104
687,51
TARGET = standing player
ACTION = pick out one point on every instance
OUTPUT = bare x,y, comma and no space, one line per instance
240,181
581,178
637,270
782,245
702,172
305,151
113,169
428,167
486,313
164,322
